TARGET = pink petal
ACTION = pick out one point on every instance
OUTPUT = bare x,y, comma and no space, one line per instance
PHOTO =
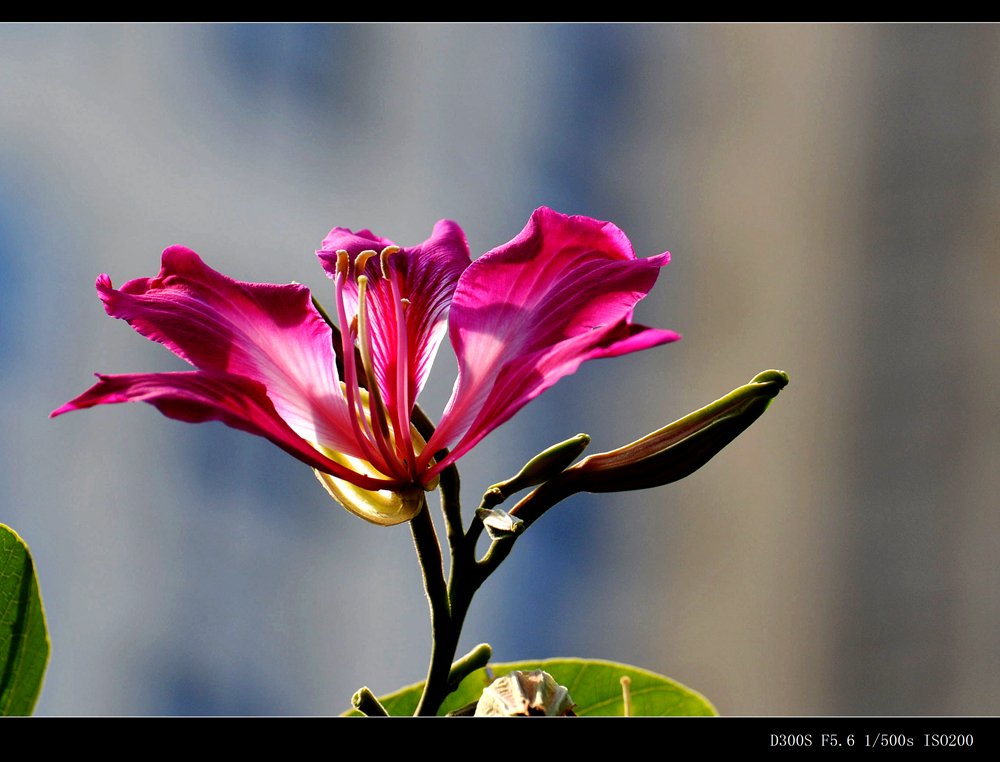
529,312
429,273
267,333
195,397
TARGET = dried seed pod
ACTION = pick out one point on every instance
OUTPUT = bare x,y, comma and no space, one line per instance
525,694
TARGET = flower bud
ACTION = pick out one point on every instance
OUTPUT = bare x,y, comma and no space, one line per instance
366,703
477,658
680,449
539,469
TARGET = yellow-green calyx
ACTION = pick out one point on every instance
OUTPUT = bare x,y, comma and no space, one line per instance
384,507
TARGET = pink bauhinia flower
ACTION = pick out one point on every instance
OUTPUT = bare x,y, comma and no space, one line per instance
521,317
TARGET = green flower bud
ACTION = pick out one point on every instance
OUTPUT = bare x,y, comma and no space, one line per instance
366,703
539,469
477,658
680,449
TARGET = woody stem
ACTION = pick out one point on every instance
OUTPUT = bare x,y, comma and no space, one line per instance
447,611
444,634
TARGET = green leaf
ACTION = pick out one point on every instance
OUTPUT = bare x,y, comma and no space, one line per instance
594,685
24,639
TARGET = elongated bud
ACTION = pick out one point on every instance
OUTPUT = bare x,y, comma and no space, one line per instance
539,469
525,694
681,448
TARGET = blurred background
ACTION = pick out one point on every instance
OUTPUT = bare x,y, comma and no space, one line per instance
829,197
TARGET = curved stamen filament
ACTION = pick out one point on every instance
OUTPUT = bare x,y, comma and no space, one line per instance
354,402
350,371
402,418
377,409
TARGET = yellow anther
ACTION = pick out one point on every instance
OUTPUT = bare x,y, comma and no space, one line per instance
361,261
387,252
343,263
